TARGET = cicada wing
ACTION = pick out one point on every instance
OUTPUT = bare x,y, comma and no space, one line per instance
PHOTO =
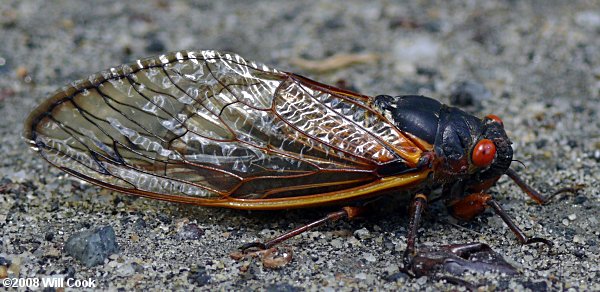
201,127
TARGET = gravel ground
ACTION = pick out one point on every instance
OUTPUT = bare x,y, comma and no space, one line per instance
536,65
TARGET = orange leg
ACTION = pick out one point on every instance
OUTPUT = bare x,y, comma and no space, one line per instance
346,212
474,204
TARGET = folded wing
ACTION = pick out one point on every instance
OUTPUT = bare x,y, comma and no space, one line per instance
208,127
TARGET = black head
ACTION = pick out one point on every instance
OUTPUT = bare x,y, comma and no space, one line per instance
471,149
493,164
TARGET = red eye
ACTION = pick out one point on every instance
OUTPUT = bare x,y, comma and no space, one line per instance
483,153
495,118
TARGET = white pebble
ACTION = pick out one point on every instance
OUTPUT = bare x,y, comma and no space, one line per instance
362,233
369,257
361,276
337,243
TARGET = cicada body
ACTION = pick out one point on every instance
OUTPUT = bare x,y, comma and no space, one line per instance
212,129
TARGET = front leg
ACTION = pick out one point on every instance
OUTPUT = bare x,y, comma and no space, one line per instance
459,258
474,204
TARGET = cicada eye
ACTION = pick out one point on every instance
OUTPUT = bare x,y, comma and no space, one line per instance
483,153
495,118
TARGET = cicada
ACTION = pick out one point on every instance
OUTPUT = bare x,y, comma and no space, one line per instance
212,129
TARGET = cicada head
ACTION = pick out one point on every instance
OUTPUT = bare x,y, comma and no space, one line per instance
470,149
491,154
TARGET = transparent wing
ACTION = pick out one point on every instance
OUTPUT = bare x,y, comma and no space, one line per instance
201,127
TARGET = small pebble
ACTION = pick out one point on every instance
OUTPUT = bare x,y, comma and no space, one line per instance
369,257
91,247
199,277
596,155
397,276
126,270
589,19
410,52
572,217
469,94
4,262
190,232
361,276
52,252
337,243
15,266
362,233
49,236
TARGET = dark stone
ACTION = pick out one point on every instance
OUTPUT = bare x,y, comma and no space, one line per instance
190,232
536,286
69,271
140,224
579,253
469,94
91,247
541,143
53,206
579,200
567,232
503,284
282,288
4,262
572,143
164,218
429,72
334,23
396,276
433,26
199,277
137,267
155,46
49,236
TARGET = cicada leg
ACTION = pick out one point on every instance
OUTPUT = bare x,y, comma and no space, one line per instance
346,212
418,205
535,195
523,239
455,259
458,258
474,204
